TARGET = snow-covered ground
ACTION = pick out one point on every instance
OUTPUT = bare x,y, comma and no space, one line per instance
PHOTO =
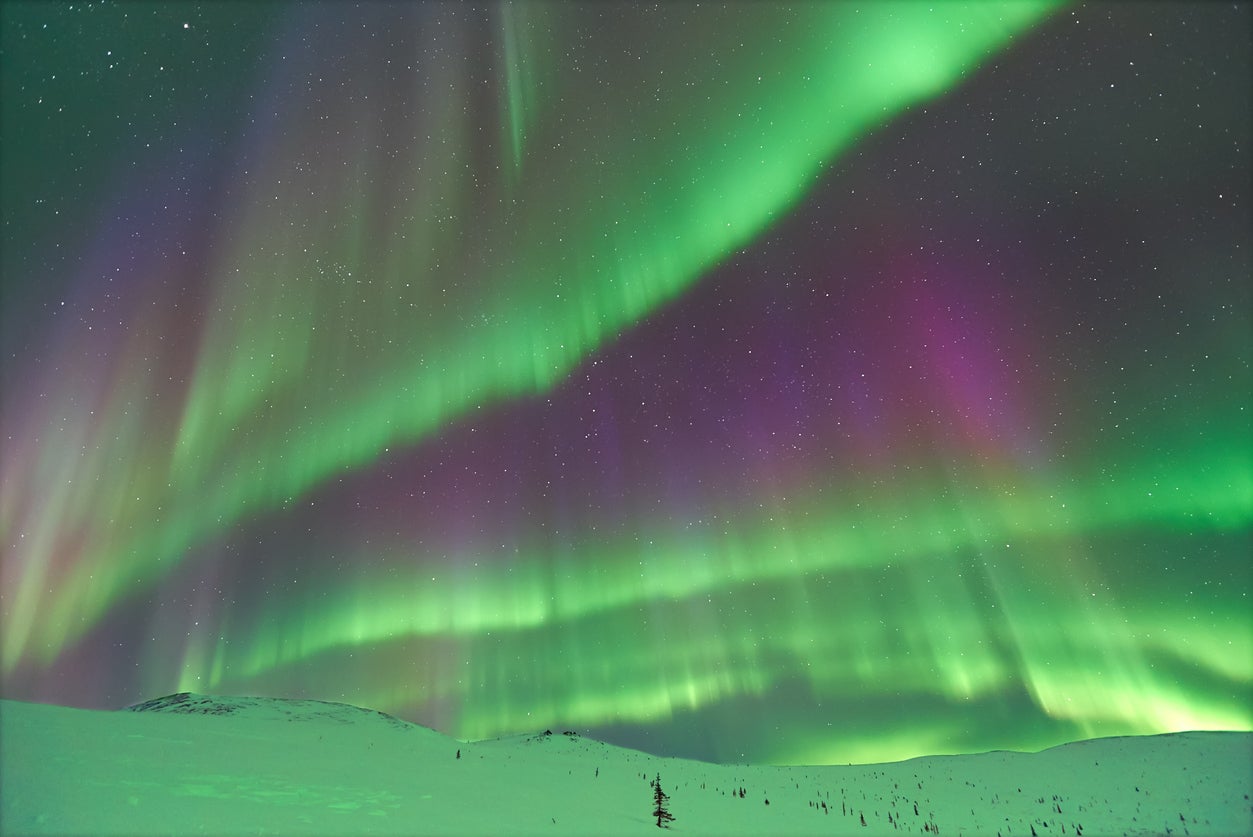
196,765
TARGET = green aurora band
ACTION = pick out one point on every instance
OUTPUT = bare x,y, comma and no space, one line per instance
305,298
1086,665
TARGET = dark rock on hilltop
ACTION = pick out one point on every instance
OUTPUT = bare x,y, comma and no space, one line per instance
185,703
189,703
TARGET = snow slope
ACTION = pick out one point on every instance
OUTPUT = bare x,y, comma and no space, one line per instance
188,764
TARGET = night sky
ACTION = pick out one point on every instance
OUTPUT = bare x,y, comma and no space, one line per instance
755,382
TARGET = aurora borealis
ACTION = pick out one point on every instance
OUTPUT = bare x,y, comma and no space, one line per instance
753,382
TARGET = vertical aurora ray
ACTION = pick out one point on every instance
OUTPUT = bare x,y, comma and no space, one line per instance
526,30
719,369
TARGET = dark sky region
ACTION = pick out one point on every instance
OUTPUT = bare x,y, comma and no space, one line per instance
753,382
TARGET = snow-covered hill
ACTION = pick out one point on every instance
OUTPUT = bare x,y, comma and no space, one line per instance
188,764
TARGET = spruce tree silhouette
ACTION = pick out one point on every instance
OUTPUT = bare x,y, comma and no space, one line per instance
659,804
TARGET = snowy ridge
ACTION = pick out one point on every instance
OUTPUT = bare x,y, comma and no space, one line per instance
191,764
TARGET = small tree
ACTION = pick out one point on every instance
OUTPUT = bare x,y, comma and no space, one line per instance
659,804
